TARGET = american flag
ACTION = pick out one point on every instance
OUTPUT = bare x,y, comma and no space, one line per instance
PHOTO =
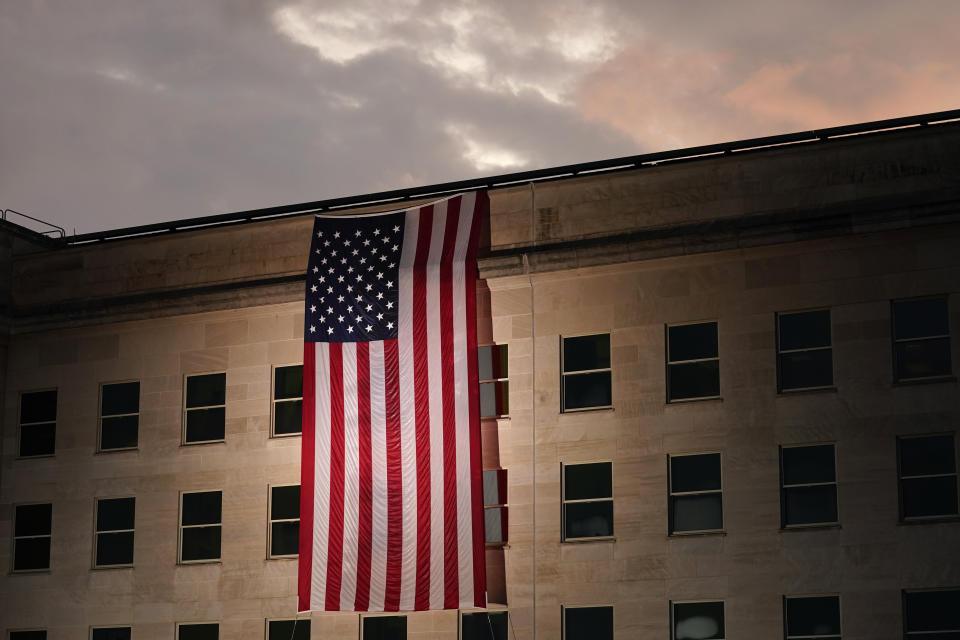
391,513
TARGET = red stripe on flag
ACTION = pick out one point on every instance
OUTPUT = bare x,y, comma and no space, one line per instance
391,377
476,465
365,530
451,569
306,476
421,387
335,541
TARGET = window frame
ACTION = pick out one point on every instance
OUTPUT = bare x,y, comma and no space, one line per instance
383,614
894,340
196,622
801,596
497,381
900,478
564,502
671,493
185,410
100,418
270,521
783,487
13,541
674,603
781,352
564,374
98,627
274,401
96,533
267,621
601,605
461,612
181,527
668,362
21,425
907,634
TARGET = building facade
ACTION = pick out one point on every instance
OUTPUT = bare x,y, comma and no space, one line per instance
722,404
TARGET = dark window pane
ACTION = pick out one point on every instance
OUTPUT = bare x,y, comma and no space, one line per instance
28,635
112,633
284,538
37,440
287,417
585,390
932,611
114,548
925,497
813,616
494,399
38,406
588,519
806,369
285,502
199,632
804,330
205,424
698,620
289,629
201,543
120,398
695,473
588,623
694,380
586,352
804,465
202,507
923,358
494,525
206,390
115,513
31,553
810,505
920,318
692,341
492,362
385,628
484,626
288,382
33,520
585,481
927,455
119,433
702,512
494,486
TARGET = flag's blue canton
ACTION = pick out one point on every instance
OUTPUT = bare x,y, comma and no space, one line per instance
352,279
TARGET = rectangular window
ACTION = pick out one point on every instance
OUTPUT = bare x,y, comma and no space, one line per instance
588,623
495,505
38,423
287,400
284,533
804,351
696,493
198,631
288,629
931,615
701,620
693,362
921,339
110,633
204,411
587,500
114,532
29,634
32,527
384,628
119,416
928,476
810,617
586,378
200,526
494,387
483,625
808,485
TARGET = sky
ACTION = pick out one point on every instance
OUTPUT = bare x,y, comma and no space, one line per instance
118,113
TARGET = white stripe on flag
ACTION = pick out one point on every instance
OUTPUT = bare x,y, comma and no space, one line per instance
378,447
321,470
351,477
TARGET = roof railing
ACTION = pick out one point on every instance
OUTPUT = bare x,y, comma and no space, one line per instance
53,229
723,149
